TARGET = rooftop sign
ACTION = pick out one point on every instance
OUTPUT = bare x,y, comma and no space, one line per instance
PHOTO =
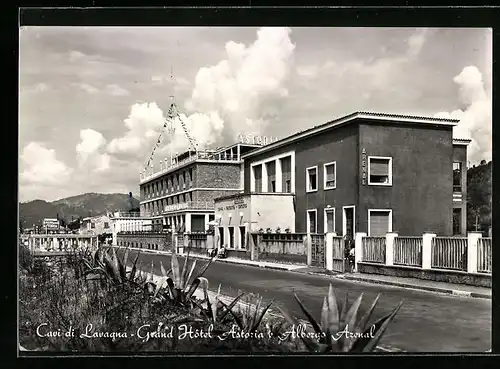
256,140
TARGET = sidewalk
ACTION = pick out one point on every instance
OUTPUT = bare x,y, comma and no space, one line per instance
413,283
421,284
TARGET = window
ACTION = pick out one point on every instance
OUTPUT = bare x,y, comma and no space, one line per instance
330,175
379,222
457,221
288,186
311,179
106,225
273,186
457,177
379,171
231,237
311,221
257,170
329,220
92,225
242,237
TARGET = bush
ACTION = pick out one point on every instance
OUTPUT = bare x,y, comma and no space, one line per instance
63,296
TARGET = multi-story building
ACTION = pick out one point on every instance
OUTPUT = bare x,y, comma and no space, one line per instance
365,172
181,194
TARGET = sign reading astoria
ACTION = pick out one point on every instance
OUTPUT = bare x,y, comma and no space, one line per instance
255,139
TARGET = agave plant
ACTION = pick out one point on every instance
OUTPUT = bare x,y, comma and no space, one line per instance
250,317
215,310
107,264
181,287
337,321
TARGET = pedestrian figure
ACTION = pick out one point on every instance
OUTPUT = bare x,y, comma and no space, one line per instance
352,259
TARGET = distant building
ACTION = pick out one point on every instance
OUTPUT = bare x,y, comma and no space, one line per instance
97,225
129,222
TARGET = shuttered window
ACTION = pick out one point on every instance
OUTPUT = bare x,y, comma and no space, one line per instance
330,220
330,175
379,222
257,170
380,170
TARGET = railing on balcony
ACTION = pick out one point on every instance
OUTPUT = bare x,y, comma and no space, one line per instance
484,256
374,249
449,253
200,155
124,214
195,205
408,251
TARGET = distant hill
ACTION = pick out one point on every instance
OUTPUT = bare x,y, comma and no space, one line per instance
479,188
89,204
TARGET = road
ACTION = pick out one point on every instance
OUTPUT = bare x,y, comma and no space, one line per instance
427,322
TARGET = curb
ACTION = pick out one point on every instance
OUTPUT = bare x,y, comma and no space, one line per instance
417,287
345,277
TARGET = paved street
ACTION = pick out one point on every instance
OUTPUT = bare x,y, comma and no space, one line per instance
427,322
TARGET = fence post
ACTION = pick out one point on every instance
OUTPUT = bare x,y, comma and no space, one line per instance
308,244
472,241
358,249
389,248
427,250
329,251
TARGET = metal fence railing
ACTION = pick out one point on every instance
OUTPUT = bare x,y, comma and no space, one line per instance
449,253
408,251
484,255
374,249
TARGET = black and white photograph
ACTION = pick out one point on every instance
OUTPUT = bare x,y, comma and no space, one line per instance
254,190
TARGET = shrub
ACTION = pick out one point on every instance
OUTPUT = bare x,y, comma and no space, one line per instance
337,319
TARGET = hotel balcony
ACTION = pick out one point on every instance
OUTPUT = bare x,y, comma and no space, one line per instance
123,214
189,205
206,156
457,194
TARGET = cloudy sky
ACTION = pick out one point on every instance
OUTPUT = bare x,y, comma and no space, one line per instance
93,99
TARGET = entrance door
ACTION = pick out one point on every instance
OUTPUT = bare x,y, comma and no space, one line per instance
457,221
348,222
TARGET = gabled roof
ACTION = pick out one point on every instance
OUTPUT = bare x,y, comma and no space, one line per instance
350,118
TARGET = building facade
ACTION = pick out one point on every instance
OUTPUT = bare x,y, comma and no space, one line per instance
365,172
129,222
181,194
97,225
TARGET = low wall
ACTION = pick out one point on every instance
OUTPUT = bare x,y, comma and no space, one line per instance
146,240
285,247
241,254
448,276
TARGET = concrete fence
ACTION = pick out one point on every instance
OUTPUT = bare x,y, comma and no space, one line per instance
453,259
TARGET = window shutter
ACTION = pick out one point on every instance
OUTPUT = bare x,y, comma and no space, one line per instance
379,167
329,222
379,223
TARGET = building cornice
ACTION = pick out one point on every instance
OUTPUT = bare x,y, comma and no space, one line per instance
369,116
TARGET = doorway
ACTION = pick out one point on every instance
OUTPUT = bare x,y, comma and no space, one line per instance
348,226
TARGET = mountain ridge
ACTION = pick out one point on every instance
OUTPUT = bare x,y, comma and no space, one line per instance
79,206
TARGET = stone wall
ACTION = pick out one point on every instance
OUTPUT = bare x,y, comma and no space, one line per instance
448,276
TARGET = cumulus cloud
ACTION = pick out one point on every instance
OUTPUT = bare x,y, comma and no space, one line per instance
144,122
241,92
416,42
475,114
41,167
88,151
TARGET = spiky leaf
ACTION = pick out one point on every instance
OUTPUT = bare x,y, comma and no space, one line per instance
370,346
308,315
175,270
